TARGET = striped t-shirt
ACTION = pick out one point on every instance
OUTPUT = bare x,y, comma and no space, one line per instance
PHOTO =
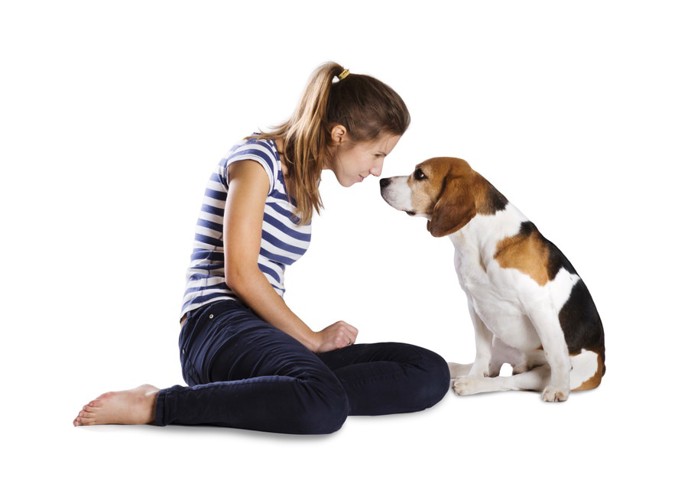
283,241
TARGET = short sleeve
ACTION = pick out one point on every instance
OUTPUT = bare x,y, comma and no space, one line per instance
258,150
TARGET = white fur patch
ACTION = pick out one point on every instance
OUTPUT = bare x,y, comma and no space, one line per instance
398,194
584,366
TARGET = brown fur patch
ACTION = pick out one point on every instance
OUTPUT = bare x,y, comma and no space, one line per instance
528,253
488,200
596,379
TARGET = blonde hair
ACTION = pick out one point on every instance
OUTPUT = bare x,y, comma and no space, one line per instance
365,106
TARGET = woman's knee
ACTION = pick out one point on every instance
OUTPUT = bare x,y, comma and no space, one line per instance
325,408
433,377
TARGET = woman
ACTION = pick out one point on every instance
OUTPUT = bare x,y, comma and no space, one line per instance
249,360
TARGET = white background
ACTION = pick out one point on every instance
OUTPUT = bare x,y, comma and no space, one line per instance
113,114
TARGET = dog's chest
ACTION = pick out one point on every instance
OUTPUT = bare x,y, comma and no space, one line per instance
498,304
500,297
478,272
487,285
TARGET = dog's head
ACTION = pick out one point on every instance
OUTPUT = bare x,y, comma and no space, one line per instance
447,191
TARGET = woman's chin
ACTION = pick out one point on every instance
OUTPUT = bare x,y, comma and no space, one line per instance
348,182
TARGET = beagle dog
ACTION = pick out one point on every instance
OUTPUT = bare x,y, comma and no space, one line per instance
529,307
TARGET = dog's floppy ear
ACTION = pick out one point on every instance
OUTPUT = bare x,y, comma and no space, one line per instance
454,209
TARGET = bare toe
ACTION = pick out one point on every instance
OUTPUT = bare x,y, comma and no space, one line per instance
133,406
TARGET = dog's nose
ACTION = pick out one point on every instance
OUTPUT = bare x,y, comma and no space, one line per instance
385,182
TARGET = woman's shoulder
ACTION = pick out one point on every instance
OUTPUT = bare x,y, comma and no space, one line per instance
257,145
259,150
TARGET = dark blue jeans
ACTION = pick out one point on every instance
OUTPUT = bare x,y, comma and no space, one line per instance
244,373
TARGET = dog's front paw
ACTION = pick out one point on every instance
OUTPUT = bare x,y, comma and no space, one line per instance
465,386
552,394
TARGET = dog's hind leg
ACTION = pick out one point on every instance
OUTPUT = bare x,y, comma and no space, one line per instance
587,370
503,353
532,380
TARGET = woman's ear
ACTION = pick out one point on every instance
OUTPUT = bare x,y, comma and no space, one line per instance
338,134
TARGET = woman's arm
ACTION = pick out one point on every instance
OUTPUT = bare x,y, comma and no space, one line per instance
243,221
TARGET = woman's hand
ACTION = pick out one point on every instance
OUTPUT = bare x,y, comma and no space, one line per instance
336,336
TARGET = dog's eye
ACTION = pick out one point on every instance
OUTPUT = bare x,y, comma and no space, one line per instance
419,175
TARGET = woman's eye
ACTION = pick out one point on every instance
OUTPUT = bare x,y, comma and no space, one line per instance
419,175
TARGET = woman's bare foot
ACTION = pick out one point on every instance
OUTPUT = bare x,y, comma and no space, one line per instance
135,406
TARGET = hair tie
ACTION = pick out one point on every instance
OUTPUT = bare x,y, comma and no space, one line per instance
343,75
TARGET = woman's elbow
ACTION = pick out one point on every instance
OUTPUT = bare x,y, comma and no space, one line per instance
238,278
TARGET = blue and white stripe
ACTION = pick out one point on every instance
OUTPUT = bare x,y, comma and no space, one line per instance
283,240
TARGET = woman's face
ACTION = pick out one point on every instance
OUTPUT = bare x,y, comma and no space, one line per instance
354,161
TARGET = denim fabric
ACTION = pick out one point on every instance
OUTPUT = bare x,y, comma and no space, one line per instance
244,373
